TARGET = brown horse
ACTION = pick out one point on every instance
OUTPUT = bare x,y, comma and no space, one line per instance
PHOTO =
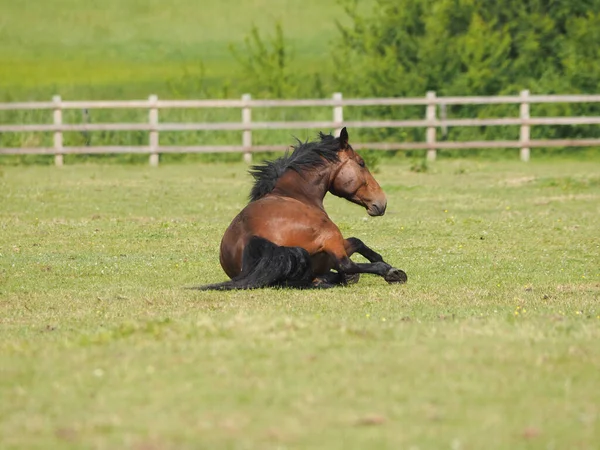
284,237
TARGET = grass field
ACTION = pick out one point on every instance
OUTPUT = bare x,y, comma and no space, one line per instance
493,343
123,49
133,48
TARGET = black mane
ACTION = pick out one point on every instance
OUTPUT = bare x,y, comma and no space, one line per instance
306,155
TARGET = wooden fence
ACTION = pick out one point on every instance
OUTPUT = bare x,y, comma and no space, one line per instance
431,122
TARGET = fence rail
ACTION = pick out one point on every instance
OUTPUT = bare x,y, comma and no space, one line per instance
431,123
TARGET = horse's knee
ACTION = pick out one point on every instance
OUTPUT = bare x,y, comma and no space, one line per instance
355,245
346,265
352,245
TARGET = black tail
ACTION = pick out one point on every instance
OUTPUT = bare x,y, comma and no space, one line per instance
265,264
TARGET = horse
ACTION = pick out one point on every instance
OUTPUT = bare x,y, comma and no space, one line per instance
284,237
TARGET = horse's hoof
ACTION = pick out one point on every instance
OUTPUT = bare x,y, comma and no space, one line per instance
322,284
395,276
352,278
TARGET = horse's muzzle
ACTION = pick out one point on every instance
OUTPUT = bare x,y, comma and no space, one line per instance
377,209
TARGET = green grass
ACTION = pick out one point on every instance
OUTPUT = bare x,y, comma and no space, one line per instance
123,49
133,48
493,343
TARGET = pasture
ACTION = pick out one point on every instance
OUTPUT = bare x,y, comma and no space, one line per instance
132,48
493,343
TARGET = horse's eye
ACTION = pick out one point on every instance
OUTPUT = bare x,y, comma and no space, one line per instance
361,163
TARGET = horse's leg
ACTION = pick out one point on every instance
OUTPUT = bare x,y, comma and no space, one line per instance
383,269
333,279
344,265
349,272
322,264
354,245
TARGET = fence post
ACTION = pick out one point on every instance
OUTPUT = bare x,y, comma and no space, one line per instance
443,117
58,136
430,116
247,133
525,130
153,135
338,113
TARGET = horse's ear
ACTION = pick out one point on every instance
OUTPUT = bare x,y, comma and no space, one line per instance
343,138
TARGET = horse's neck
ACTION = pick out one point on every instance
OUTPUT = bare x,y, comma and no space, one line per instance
308,187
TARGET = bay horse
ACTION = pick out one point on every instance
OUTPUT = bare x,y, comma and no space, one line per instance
284,237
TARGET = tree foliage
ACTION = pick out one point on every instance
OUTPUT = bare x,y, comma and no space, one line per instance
405,48
265,62
267,67
470,47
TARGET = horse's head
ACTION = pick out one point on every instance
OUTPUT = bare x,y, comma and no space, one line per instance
353,181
